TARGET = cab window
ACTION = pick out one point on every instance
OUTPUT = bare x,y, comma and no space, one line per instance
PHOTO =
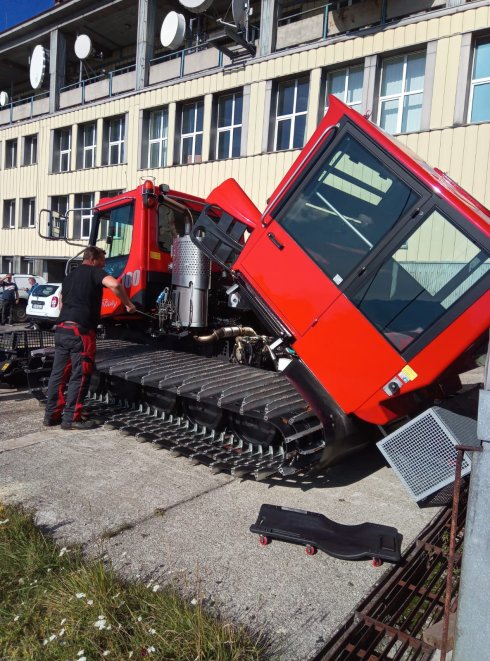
352,200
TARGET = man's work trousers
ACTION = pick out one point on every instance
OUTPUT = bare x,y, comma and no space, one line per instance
73,364
6,311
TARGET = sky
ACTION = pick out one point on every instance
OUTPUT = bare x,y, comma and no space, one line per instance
13,12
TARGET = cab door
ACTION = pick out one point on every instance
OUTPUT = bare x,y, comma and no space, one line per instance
344,207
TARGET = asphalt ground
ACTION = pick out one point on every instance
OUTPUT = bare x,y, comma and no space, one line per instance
160,519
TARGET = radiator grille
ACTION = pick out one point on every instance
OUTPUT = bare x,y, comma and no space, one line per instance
423,453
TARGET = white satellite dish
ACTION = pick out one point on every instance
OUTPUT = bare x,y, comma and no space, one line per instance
172,32
196,6
239,9
39,64
4,99
83,47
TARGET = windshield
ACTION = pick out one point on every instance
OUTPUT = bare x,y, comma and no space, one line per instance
421,280
349,204
114,235
44,290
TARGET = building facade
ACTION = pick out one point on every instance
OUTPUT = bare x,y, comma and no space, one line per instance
238,98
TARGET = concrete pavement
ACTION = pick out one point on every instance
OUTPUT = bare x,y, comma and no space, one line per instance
159,518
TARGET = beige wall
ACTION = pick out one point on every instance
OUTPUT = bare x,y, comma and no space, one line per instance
463,151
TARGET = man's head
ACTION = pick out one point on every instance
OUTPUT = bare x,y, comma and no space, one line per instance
32,281
93,256
8,277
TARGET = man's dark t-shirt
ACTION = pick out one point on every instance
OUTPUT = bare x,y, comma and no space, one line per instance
81,295
10,292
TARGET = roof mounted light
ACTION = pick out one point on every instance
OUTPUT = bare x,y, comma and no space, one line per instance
148,194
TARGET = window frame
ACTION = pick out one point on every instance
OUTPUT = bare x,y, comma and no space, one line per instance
61,151
162,142
476,82
289,116
30,149
400,96
348,69
119,141
197,104
9,208
11,153
28,211
229,128
85,148
82,215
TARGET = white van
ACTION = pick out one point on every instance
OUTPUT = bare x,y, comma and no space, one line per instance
22,281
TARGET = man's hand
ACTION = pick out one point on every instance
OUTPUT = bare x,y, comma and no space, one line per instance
131,307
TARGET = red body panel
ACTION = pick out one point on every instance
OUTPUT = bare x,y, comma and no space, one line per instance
292,285
145,254
351,359
237,202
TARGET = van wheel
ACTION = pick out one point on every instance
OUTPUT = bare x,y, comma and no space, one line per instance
19,315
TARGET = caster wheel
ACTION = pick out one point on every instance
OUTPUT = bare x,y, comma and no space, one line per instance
377,562
310,550
264,540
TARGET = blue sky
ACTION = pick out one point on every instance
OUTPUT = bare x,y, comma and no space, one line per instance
13,12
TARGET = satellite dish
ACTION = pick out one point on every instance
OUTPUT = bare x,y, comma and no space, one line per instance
173,30
39,64
239,9
196,6
83,47
4,99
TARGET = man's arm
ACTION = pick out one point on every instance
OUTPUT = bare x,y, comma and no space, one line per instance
16,290
115,286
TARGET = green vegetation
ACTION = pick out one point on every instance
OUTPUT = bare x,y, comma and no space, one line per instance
55,605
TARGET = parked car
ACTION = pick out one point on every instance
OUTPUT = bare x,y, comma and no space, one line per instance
22,281
44,304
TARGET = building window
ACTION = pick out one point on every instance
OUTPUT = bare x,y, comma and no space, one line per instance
62,150
402,91
83,215
291,110
87,141
191,132
346,85
28,218
27,266
229,125
157,131
9,214
11,153
59,204
479,110
30,150
114,140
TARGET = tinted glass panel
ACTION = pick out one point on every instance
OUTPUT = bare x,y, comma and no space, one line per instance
480,110
481,67
283,134
285,105
119,227
347,207
421,280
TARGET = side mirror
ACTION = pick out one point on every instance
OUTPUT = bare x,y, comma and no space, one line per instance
52,225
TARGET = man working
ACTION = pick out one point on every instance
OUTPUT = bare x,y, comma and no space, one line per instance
9,297
81,296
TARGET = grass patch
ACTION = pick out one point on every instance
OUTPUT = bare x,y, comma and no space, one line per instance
55,605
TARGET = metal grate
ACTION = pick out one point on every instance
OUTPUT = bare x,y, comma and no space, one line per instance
423,453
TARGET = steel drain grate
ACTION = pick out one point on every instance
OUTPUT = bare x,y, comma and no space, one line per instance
423,451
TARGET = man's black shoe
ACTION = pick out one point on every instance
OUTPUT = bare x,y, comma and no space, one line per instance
78,424
47,422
